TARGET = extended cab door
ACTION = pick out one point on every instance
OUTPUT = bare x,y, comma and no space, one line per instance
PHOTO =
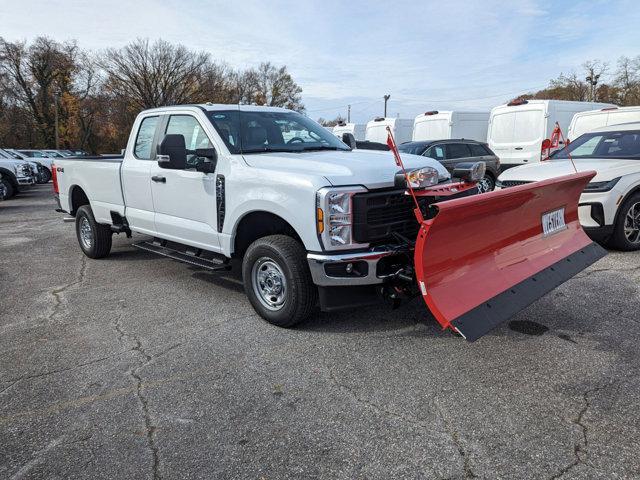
185,200
136,176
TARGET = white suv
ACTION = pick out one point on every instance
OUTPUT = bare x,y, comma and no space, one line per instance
609,207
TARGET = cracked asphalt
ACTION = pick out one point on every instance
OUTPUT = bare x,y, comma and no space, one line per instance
141,367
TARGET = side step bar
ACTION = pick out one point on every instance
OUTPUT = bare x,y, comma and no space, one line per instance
183,253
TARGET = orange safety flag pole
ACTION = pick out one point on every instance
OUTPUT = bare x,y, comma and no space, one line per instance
391,143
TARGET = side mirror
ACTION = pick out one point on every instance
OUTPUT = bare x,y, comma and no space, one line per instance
172,152
469,171
349,139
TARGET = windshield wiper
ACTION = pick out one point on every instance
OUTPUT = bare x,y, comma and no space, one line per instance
322,147
267,149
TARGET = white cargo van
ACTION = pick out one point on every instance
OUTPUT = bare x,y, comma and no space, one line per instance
356,129
376,130
444,125
584,122
517,129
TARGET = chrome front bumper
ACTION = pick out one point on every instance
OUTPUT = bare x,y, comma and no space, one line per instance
318,262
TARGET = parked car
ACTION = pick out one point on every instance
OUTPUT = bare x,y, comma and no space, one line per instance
440,125
17,176
452,152
609,207
518,129
358,130
315,222
584,122
42,158
376,131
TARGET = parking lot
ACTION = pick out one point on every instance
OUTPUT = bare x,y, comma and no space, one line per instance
141,367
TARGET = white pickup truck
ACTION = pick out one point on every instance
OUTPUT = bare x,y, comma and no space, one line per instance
314,221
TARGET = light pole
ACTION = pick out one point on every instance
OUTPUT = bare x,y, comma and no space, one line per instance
348,113
386,99
55,104
592,80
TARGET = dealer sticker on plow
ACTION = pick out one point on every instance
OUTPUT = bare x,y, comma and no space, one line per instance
553,222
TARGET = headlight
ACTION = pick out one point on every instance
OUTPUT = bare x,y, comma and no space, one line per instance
423,177
601,186
334,216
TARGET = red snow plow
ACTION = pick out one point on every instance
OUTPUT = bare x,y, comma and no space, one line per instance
480,259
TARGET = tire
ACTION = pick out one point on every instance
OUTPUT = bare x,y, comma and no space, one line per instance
45,176
628,217
486,184
93,237
9,191
287,296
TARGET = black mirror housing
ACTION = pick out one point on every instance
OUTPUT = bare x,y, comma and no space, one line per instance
172,152
469,171
349,139
206,167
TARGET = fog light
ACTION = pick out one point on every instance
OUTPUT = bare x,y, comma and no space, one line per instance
349,267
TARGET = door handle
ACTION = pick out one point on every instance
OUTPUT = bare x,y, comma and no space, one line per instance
518,148
159,179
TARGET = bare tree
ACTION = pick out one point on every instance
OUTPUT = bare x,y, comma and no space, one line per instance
153,75
273,86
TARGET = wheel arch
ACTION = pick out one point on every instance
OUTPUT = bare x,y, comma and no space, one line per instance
77,198
10,176
257,224
632,191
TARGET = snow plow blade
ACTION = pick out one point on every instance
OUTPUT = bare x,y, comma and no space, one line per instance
481,259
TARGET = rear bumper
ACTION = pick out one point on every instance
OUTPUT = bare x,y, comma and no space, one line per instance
349,269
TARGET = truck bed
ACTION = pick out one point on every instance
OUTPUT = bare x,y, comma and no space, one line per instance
99,179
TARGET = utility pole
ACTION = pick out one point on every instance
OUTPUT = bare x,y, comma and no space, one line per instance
348,113
592,80
55,103
386,99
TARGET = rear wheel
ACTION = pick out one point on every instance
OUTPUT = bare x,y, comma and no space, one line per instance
486,184
277,280
626,231
93,237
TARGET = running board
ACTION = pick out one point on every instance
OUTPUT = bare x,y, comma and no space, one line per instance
183,253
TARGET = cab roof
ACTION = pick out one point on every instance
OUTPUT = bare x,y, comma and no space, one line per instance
215,107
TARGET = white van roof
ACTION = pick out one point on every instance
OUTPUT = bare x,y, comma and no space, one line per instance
623,127
545,103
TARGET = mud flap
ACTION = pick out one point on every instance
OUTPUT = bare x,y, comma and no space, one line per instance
482,259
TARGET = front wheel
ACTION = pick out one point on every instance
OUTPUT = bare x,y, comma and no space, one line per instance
6,189
277,280
626,230
44,175
93,237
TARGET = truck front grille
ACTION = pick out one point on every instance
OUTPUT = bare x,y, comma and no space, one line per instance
376,215
513,183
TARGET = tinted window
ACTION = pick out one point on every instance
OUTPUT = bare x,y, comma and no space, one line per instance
192,132
478,150
412,148
437,152
144,140
457,150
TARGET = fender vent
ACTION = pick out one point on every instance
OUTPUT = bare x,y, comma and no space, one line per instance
220,201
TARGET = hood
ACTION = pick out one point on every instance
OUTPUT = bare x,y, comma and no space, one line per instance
8,163
606,169
370,168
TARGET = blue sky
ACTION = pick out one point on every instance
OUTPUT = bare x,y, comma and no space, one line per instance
427,55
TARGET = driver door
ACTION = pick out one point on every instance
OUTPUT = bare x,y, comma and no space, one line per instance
185,200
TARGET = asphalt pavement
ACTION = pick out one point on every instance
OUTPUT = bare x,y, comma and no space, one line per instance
137,366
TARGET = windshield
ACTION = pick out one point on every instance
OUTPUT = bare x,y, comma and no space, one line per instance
255,132
624,144
412,148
